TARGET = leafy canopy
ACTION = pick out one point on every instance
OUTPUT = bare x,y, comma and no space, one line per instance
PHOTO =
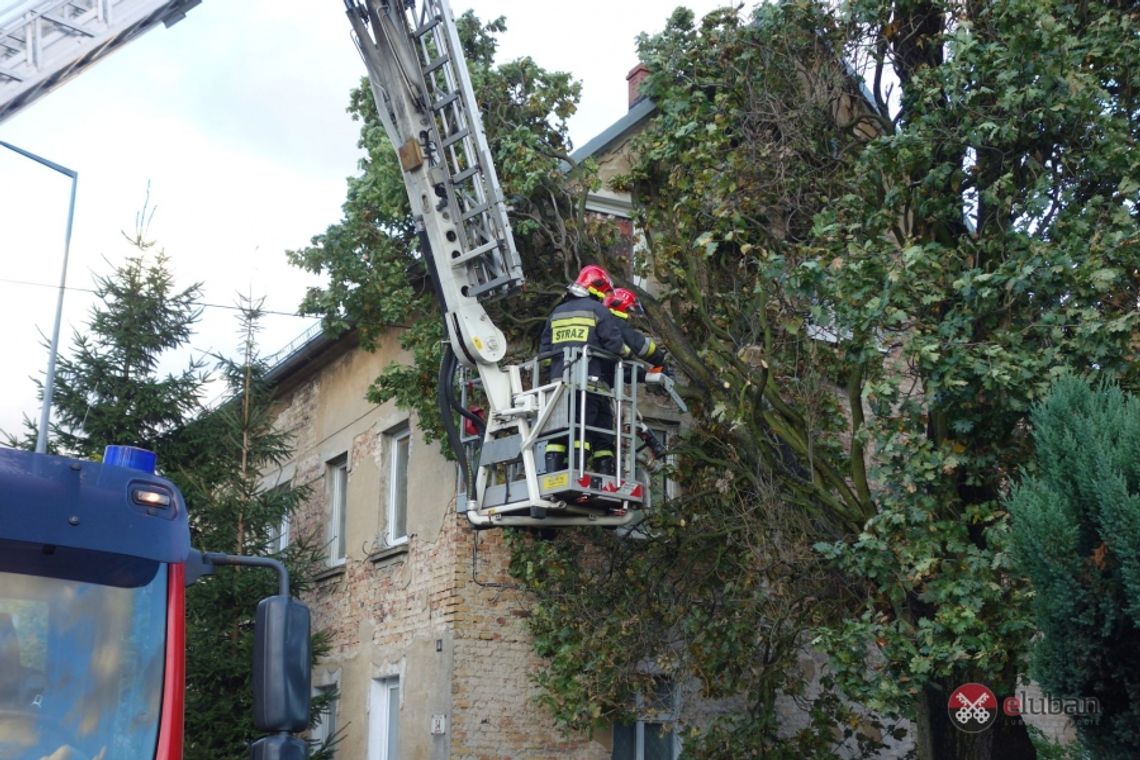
869,284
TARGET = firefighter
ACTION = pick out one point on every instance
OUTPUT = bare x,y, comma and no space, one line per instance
581,319
622,303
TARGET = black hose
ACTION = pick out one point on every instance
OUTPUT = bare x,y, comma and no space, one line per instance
445,398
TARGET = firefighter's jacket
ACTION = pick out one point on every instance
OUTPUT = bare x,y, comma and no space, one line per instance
583,321
642,346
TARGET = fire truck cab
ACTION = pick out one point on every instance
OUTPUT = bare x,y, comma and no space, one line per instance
94,560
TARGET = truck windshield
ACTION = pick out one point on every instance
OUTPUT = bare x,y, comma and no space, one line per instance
81,654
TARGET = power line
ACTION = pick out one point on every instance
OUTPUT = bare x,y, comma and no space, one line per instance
203,304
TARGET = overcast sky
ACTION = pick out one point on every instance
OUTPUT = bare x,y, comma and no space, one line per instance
235,120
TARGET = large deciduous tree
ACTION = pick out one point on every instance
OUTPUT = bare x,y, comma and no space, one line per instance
867,290
877,230
758,125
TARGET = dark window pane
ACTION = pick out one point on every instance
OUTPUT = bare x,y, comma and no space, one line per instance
625,742
658,742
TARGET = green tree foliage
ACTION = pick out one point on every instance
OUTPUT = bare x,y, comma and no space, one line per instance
991,238
1076,530
868,293
725,586
110,389
232,511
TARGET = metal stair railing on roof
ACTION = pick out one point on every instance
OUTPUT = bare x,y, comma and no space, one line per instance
43,43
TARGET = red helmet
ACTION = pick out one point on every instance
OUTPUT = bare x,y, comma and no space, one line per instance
622,300
594,281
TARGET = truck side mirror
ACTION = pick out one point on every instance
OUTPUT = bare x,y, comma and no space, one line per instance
279,747
282,663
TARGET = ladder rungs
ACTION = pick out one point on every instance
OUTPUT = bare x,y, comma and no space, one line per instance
503,282
475,252
66,24
438,63
435,21
477,210
465,175
454,138
444,102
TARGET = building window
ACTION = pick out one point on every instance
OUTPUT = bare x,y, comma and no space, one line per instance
279,539
384,719
325,730
651,736
399,444
337,475
280,542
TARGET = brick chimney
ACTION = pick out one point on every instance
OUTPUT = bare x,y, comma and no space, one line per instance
635,77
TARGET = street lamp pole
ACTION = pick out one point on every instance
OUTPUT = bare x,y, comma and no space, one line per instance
49,381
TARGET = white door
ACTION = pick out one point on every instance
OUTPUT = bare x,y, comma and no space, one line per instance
384,719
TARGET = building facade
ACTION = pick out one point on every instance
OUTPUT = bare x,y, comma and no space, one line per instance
430,655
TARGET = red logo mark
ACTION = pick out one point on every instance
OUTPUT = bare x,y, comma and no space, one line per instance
972,707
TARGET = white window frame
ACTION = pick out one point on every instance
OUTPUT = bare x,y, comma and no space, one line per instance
655,715
281,540
336,470
325,728
395,438
384,696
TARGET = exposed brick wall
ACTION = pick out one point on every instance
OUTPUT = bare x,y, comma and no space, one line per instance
496,715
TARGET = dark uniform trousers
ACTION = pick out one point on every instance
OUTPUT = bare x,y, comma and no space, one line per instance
576,322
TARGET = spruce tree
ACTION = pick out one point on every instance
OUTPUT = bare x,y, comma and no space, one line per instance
234,509
110,389
1076,529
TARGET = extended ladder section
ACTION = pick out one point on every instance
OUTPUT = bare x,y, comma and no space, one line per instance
426,103
43,43
424,98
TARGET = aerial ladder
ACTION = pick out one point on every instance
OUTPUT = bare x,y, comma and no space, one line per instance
43,43
427,105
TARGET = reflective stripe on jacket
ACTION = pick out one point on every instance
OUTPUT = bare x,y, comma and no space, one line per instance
642,345
582,321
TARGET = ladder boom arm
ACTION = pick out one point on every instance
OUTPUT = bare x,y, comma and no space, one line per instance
425,101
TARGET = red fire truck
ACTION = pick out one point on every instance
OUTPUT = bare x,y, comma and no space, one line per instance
94,561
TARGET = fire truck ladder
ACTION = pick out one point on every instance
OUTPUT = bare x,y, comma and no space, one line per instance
426,103
421,39
43,43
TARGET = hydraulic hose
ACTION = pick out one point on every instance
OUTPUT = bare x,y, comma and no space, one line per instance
445,398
